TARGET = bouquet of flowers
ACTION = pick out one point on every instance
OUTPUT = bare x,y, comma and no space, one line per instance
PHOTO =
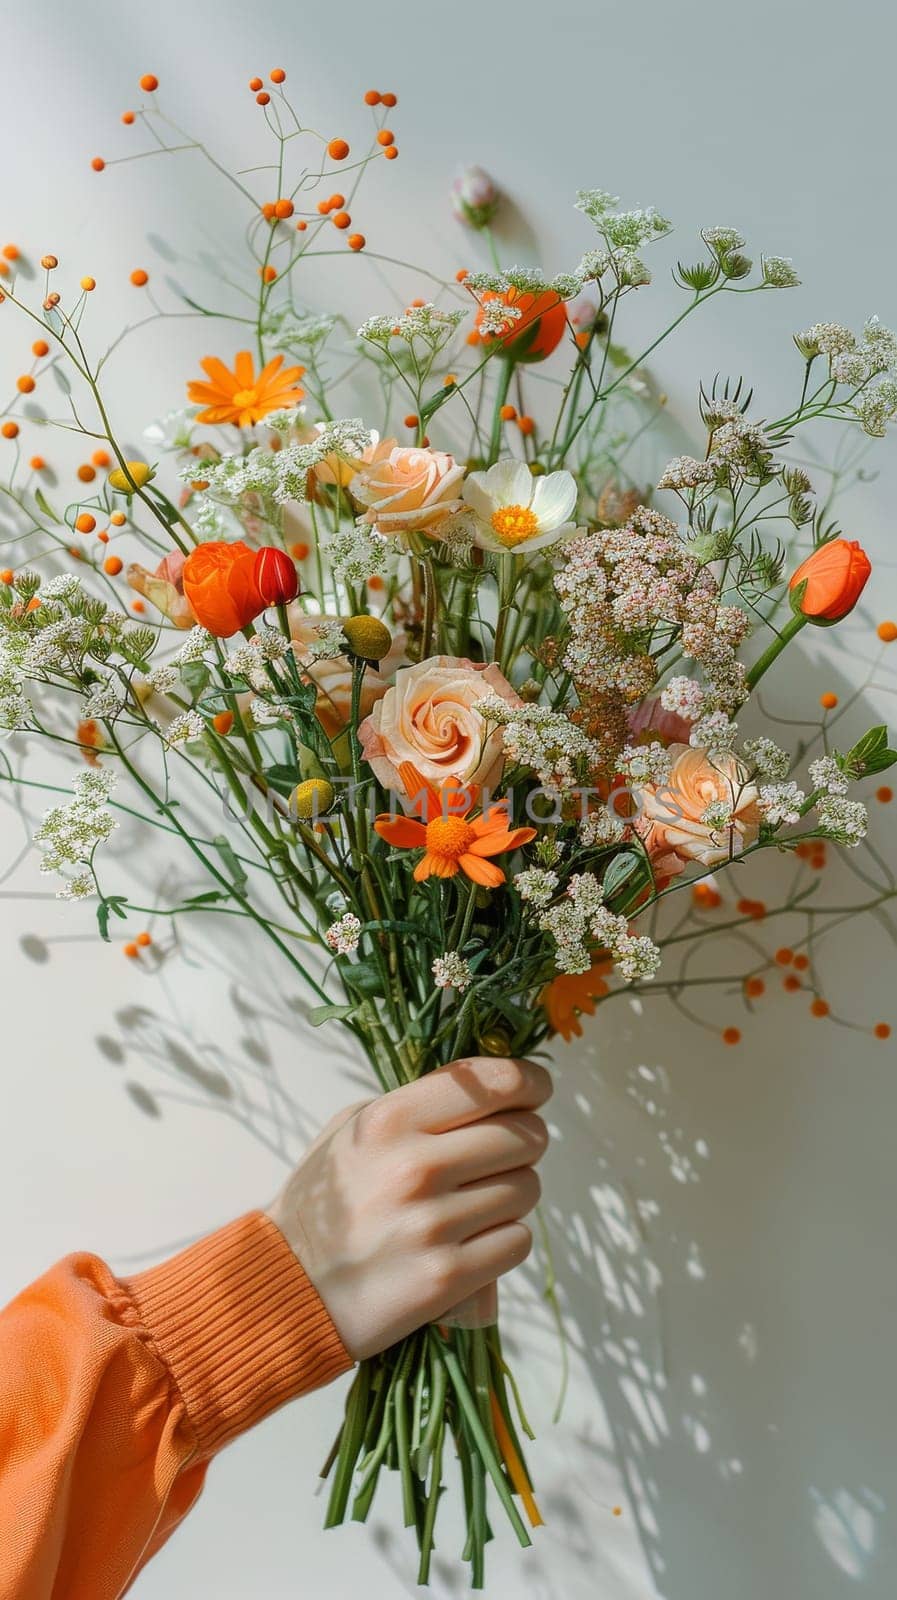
465,694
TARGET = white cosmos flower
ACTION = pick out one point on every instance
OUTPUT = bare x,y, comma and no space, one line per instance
514,511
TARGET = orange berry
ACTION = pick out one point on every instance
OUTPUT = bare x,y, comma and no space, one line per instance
25,384
372,98
882,1030
828,701
731,1035
341,219
51,301
118,519
86,472
85,523
411,421
391,152
791,983
4,269
389,100
784,956
323,207
139,277
256,84
337,149
268,210
101,458
277,75
819,1008
49,262
754,987
449,381
473,337
284,208
526,424
384,137
887,632
10,430
149,83
127,118
751,908
37,463
268,273
356,241
113,565
885,794
376,583
130,950
336,202
40,348
144,939
222,722
103,536
87,284
11,252
508,413
137,605
7,575
461,274
98,163
300,551
34,603
263,99
301,226
801,963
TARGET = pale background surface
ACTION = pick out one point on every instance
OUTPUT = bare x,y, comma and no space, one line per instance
728,1259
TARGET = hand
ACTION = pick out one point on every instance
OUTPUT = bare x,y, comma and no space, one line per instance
408,1204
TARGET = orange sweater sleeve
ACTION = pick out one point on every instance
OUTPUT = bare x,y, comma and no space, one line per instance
115,1394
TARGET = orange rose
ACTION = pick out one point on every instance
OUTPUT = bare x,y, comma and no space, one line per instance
220,584
829,583
536,332
670,814
407,489
429,717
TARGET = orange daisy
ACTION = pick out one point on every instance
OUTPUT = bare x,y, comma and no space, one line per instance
573,994
239,396
450,843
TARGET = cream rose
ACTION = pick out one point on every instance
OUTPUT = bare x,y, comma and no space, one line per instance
407,490
670,814
429,717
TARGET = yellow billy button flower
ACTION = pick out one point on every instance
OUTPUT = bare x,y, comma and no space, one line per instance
312,799
133,476
367,637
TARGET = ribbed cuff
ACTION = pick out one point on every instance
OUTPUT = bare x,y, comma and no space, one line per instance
240,1327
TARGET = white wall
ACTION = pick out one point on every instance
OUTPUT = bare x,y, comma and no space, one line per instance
722,1219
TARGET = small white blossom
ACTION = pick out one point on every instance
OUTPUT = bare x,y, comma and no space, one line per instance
684,696
451,971
536,885
357,553
717,816
193,647
343,936
103,700
187,725
69,834
80,887
843,820
713,732
686,472
768,758
780,804
779,273
826,774
601,827
646,763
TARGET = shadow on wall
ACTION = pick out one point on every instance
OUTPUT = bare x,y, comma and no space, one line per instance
719,1222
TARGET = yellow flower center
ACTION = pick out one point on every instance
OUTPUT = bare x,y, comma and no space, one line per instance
514,523
245,398
449,837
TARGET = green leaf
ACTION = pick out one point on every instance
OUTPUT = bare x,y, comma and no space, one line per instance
619,871
365,976
870,754
320,1014
45,506
282,778
229,858
113,905
195,675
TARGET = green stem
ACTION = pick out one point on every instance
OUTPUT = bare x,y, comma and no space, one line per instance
506,373
775,648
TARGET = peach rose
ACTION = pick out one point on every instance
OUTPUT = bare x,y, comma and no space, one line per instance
429,717
670,813
333,674
406,489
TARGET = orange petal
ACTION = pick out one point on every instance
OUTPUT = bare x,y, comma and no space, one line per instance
480,871
496,816
423,797
224,381
501,839
401,831
244,370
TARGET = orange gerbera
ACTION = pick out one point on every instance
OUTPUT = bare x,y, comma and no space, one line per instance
450,843
573,994
239,396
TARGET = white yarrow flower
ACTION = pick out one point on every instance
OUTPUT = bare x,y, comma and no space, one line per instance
451,971
343,936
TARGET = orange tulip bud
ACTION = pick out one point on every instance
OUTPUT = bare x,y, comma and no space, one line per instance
220,585
829,583
533,334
